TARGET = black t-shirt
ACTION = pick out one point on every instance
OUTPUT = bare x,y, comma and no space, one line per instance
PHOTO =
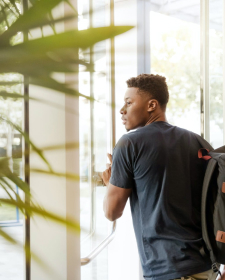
160,163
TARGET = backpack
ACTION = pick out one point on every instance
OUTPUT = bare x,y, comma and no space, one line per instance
213,202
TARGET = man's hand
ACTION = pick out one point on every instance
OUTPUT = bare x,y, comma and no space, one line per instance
107,173
110,158
223,274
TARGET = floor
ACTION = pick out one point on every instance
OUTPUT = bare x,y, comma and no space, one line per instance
12,256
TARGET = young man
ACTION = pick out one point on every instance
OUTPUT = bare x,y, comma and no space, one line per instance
157,166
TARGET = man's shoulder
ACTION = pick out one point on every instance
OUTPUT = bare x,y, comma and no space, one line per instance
122,142
155,129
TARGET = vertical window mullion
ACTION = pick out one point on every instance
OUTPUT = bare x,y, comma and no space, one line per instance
223,71
204,104
143,37
26,160
92,159
112,80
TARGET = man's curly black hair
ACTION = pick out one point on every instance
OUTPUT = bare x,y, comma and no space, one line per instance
154,85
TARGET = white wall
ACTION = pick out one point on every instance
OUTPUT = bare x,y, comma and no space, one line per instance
48,240
54,244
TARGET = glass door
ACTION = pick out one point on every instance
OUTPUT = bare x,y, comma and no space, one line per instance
216,54
12,257
175,54
94,140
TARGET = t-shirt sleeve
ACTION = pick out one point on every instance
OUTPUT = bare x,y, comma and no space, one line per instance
121,172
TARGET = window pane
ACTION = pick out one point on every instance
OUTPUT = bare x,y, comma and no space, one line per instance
216,72
94,144
11,219
175,54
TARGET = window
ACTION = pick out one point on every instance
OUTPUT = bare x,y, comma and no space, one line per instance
11,219
216,53
94,140
175,54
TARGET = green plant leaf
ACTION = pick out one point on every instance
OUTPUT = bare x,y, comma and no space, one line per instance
50,83
7,236
9,8
4,181
52,25
70,176
46,21
6,172
71,39
43,22
67,146
41,212
6,190
10,239
4,15
72,7
43,68
4,167
27,139
12,62
20,183
35,14
6,94
17,196
9,83
15,6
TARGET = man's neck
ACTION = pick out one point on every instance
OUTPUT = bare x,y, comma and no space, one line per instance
161,117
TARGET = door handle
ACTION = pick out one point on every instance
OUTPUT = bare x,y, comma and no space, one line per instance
100,247
98,182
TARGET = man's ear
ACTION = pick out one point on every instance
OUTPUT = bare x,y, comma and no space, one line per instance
152,105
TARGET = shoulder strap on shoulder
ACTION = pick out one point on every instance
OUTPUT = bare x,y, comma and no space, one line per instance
204,143
220,150
208,174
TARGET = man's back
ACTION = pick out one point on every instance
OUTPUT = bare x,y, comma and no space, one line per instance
160,163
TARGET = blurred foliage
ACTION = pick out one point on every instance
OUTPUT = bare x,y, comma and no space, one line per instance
38,59
175,53
8,213
178,59
216,52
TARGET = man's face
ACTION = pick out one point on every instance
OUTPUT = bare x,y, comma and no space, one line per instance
135,110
